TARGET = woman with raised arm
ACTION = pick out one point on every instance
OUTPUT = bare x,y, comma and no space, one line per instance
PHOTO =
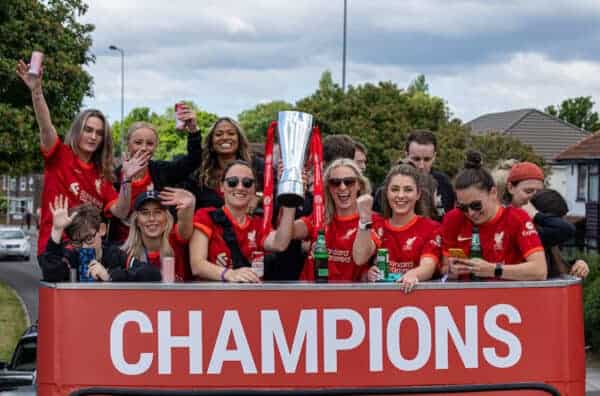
225,239
510,245
142,137
345,190
153,234
80,168
413,240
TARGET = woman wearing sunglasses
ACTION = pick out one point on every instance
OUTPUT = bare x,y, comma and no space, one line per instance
412,240
225,239
510,245
345,190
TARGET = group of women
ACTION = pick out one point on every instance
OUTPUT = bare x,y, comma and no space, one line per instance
198,208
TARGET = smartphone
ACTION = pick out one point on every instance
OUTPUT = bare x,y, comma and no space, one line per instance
457,253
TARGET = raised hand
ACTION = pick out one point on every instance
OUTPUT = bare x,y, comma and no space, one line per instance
365,207
32,81
178,197
60,213
135,164
188,116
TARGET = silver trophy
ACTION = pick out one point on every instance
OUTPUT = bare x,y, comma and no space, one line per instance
294,131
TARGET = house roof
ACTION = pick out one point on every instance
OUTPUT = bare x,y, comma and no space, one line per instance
547,135
586,148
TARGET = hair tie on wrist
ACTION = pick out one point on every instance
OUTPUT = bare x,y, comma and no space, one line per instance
223,274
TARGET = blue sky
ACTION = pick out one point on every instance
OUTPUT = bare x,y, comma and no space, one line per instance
227,56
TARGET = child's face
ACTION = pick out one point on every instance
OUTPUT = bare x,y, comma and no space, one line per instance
91,238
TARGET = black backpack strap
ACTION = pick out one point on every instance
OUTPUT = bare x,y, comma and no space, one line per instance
218,217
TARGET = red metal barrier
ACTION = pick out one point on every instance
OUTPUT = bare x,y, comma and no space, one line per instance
218,336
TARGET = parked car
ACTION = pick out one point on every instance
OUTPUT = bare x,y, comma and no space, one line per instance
14,243
21,368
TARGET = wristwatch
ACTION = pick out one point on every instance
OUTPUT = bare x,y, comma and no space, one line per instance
499,270
364,226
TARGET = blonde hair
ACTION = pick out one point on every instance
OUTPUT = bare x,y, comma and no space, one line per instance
102,158
134,245
500,176
209,171
365,185
139,125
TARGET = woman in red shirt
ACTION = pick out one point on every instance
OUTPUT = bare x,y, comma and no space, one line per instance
511,248
225,239
80,169
413,241
345,189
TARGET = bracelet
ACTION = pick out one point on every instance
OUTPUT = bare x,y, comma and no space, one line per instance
223,274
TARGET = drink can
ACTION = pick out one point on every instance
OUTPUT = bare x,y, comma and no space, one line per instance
167,269
86,255
73,275
179,124
35,64
382,262
258,263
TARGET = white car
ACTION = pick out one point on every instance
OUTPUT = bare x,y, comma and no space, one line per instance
14,243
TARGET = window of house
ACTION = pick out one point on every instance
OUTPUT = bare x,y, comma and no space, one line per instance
23,183
582,182
593,184
30,183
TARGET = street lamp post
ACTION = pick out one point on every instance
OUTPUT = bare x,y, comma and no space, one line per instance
344,48
115,48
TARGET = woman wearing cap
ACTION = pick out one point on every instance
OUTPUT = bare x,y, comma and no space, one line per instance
412,240
225,239
153,234
142,139
524,180
511,248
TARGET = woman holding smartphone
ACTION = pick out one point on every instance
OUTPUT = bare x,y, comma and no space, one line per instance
510,245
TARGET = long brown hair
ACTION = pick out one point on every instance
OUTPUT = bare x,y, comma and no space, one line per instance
210,172
102,158
418,177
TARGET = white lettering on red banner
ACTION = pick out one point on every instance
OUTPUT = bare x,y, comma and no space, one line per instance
307,337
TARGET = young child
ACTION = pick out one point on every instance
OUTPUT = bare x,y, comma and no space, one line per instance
85,227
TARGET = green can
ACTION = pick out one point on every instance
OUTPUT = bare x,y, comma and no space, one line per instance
382,262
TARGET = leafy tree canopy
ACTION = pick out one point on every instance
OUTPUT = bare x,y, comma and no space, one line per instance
171,141
577,111
51,27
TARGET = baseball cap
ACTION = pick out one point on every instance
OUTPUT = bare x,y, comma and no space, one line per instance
145,197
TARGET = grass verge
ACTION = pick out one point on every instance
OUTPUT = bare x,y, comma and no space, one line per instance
12,321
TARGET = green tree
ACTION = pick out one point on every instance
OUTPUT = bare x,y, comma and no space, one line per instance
256,121
419,84
51,27
577,111
381,116
172,141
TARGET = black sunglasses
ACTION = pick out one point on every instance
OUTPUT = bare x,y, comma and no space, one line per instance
475,206
348,181
233,181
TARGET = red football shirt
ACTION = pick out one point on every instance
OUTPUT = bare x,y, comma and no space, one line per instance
183,271
249,235
339,238
407,244
81,182
508,238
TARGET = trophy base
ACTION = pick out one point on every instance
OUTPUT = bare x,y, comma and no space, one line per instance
290,200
